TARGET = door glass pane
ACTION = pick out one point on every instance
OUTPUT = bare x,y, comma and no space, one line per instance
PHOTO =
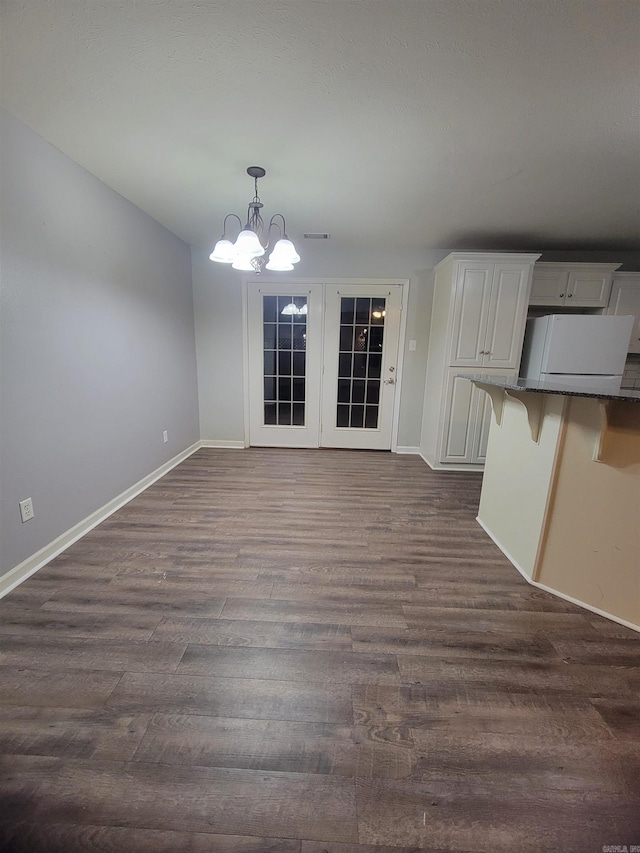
357,416
360,362
284,363
285,342
371,417
299,359
269,336
345,360
346,338
357,391
344,390
270,306
373,391
269,388
284,389
284,414
374,366
359,365
347,308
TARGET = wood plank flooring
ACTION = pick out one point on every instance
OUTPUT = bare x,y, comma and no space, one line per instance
291,651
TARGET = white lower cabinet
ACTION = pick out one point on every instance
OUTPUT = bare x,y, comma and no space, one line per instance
466,418
483,424
458,426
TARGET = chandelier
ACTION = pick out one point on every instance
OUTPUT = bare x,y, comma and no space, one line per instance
247,253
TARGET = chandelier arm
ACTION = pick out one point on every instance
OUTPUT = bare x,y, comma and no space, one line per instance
224,225
273,224
283,229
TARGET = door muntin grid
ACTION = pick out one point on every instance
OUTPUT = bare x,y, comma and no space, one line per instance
284,360
360,347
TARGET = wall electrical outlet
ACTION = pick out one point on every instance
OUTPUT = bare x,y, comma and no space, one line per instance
165,436
412,346
26,509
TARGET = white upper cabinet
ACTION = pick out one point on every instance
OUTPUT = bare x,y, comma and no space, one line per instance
489,313
572,285
507,316
625,299
549,285
470,310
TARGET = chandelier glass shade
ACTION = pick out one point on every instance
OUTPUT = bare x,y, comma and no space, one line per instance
248,252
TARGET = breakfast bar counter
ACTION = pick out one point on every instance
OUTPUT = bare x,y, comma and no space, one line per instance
561,489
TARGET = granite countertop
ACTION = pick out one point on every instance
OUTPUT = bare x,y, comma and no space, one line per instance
538,387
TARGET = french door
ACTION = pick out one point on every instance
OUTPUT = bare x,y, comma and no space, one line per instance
322,364
285,364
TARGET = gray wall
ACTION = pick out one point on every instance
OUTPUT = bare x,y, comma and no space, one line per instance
218,306
97,344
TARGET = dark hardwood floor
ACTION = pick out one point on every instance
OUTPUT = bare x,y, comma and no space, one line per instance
289,651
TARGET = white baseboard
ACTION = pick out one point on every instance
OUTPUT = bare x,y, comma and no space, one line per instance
424,459
36,561
414,451
509,557
214,442
562,595
439,466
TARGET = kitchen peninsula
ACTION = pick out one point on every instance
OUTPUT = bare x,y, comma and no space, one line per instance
561,489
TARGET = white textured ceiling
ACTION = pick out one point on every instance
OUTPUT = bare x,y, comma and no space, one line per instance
412,123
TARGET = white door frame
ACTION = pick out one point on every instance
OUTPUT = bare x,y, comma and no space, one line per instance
270,281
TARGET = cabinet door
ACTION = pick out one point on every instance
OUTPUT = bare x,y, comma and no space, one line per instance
507,316
549,286
483,423
482,426
625,299
459,417
470,311
588,288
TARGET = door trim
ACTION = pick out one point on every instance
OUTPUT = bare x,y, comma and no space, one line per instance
247,281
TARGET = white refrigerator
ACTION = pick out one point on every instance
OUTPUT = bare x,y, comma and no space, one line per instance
577,350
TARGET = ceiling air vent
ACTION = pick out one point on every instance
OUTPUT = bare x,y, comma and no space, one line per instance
317,235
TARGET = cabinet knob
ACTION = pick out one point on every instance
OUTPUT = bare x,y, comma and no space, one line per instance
561,295
569,295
